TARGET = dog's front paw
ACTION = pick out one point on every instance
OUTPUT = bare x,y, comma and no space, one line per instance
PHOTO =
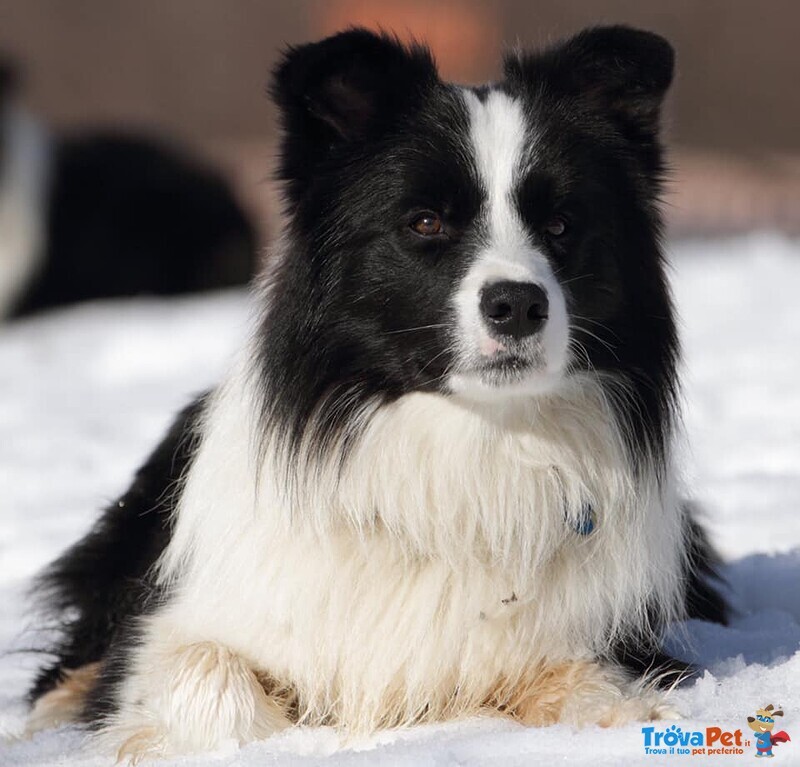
584,693
144,743
642,707
190,699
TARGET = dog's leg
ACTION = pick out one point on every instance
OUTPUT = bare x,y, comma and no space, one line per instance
189,698
65,702
583,693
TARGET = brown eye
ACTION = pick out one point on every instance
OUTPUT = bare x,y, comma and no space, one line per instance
428,224
556,226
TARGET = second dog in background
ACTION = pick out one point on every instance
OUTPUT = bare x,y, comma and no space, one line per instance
105,215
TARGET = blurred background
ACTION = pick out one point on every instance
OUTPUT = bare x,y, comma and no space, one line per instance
195,71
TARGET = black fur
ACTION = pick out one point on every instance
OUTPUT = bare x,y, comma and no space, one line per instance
703,601
360,305
128,216
360,102
101,584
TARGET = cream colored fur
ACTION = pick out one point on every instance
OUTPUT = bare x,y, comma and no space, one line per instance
64,703
194,697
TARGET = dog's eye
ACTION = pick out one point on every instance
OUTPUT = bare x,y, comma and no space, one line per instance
556,226
428,224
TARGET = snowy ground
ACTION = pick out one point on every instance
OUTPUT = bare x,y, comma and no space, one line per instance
85,392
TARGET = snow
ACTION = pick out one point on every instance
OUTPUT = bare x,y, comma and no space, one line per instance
86,392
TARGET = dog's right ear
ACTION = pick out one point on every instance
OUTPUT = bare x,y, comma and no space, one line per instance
620,71
342,91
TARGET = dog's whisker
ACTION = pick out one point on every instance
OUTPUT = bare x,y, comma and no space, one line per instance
421,327
597,338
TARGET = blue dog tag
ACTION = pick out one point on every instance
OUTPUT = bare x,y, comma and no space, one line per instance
587,521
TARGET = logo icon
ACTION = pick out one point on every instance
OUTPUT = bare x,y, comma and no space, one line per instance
763,724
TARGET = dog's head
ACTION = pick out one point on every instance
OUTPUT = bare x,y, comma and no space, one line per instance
481,242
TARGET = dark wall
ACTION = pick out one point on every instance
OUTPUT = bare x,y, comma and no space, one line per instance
198,67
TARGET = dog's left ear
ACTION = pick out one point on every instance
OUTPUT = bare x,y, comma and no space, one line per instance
622,71
342,91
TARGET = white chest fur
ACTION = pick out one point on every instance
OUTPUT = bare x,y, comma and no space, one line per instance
442,558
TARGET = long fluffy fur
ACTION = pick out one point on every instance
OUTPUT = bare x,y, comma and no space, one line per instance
425,591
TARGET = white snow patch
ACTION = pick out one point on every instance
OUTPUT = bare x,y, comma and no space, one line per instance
86,392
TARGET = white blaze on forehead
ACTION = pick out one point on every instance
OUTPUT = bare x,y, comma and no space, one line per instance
500,139
499,143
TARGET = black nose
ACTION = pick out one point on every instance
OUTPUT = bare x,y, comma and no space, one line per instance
516,309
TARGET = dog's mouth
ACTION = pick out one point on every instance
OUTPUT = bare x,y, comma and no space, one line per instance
510,369
513,372
507,364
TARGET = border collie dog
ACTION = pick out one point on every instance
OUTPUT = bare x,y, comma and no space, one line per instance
439,480
108,215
